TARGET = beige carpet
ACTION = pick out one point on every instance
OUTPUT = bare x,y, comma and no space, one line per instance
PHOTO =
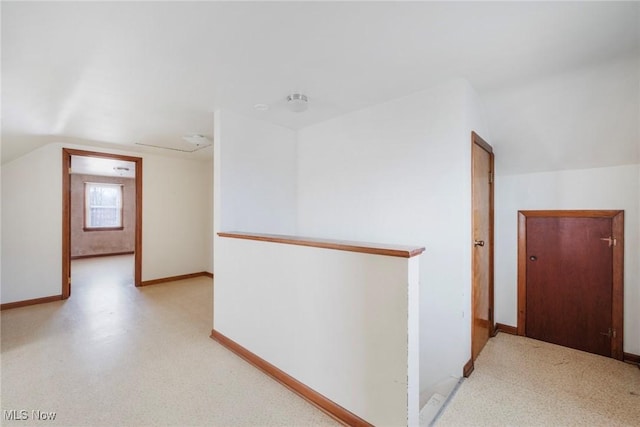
523,382
116,355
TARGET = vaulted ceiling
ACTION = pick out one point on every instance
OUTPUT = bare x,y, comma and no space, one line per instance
151,72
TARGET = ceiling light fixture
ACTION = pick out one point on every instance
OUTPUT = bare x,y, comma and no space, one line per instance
197,140
298,102
121,170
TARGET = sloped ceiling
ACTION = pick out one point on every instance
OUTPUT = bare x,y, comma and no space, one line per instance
151,72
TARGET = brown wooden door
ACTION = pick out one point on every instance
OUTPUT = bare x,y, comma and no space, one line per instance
482,255
569,275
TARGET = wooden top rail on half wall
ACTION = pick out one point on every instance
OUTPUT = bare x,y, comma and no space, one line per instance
340,245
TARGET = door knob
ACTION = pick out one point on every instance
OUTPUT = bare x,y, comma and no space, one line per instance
478,243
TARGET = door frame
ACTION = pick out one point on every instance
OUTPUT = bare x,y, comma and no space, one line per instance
477,140
617,309
66,213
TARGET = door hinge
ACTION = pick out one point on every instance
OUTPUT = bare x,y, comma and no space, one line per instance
69,170
611,333
612,241
490,177
69,281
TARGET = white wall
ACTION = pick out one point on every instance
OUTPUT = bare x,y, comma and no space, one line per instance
255,170
342,323
255,190
175,219
399,172
601,188
175,216
1,218
209,226
32,225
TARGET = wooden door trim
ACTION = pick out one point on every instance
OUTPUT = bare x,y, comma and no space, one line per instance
617,221
477,140
617,303
66,224
66,213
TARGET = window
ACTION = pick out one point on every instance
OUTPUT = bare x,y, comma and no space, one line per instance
103,206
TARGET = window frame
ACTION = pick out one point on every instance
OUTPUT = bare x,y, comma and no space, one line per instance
87,207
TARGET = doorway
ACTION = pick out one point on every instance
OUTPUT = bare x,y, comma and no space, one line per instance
570,279
482,175
67,155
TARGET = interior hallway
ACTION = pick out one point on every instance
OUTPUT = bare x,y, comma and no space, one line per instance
114,354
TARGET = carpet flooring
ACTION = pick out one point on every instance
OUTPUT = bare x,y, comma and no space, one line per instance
523,382
117,355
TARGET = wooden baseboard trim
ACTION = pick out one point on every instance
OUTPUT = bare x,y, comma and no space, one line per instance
101,255
468,368
206,273
331,408
174,278
16,304
511,330
631,358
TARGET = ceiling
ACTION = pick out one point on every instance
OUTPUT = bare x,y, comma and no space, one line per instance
151,72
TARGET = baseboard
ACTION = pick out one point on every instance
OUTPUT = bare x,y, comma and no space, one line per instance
16,304
331,408
174,278
631,358
206,273
511,330
468,368
101,255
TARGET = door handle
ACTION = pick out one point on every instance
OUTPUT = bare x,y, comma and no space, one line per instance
612,241
610,333
478,243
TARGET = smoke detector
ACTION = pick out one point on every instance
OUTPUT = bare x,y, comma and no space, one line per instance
298,102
